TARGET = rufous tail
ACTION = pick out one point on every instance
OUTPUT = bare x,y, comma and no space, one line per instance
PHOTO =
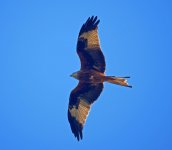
117,80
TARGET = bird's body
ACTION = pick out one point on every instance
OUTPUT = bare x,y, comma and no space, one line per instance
91,76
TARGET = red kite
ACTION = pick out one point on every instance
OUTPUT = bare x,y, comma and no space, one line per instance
91,76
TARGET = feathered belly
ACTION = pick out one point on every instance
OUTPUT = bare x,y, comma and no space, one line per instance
91,76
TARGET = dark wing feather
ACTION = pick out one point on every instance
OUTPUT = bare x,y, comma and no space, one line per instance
80,102
88,46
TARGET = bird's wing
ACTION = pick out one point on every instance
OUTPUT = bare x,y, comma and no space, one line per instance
88,46
80,102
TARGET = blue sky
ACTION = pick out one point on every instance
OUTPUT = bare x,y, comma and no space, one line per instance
37,55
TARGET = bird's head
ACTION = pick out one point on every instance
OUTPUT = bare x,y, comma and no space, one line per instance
74,75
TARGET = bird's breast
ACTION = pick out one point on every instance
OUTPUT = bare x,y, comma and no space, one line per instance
91,76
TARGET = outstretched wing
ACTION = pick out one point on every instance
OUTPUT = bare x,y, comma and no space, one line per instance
80,102
88,46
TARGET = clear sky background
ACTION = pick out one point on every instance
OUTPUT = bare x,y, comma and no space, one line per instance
37,55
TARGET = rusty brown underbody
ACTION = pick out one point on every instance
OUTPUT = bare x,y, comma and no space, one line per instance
90,76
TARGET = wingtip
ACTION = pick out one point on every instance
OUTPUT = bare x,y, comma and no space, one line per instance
92,17
95,19
91,24
79,136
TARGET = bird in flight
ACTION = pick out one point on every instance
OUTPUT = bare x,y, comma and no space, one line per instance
91,76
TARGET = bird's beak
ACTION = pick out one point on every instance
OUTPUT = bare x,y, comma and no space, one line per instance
74,75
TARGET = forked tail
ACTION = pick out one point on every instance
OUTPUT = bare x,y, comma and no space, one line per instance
118,80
